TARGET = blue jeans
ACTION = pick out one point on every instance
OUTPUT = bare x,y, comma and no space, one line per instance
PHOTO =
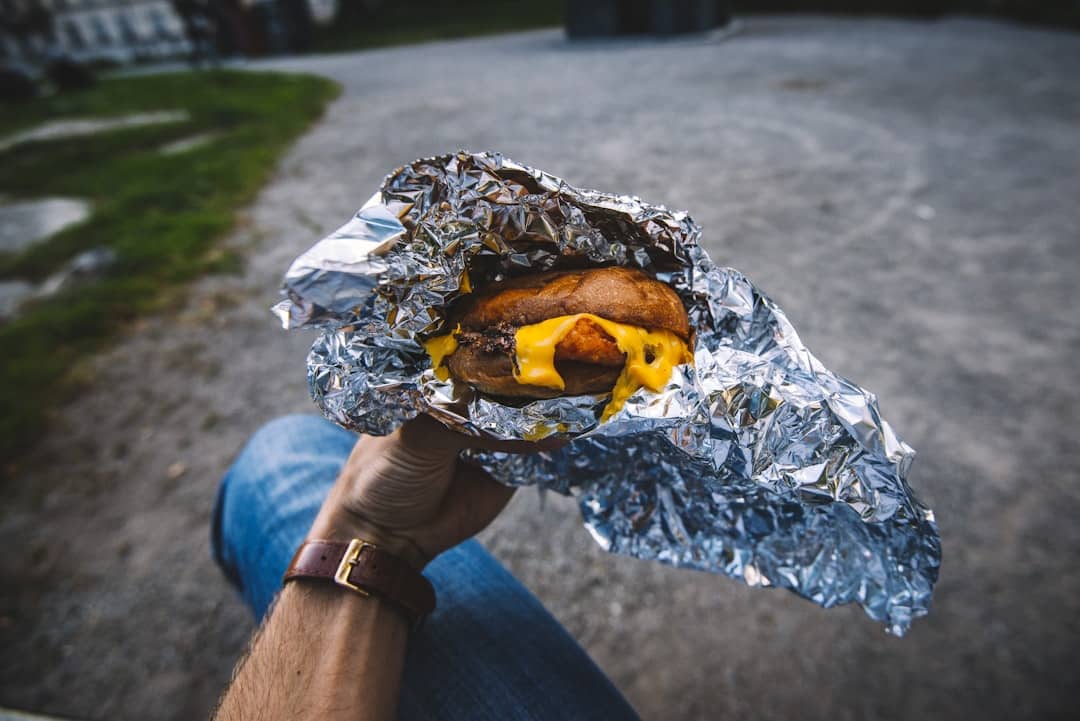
489,651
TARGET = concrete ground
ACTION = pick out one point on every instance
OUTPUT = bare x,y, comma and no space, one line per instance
906,190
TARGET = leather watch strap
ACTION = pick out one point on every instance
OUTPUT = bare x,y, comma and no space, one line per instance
364,568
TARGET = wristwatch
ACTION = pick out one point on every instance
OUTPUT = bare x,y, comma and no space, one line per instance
361,567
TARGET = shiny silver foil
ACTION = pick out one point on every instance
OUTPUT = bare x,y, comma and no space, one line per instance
756,462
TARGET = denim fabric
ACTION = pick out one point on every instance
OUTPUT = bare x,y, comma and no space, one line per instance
489,651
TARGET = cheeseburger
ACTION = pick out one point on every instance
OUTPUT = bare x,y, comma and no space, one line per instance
565,332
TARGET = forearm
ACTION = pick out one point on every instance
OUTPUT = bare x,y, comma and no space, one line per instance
324,653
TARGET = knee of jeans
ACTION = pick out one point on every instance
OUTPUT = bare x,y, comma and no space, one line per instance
244,480
287,433
261,455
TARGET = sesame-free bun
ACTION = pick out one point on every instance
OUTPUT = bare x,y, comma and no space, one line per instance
623,295
587,358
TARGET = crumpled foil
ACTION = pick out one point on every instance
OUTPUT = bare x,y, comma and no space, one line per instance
756,462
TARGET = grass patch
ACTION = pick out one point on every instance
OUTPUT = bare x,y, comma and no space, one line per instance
162,214
418,21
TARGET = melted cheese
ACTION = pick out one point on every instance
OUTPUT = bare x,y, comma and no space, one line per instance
438,348
542,430
535,356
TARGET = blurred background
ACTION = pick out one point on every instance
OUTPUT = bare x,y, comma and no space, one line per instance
110,32
901,177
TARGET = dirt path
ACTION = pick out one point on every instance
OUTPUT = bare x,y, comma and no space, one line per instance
906,190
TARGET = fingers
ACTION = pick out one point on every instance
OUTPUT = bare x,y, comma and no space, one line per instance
547,444
427,435
472,502
413,484
405,478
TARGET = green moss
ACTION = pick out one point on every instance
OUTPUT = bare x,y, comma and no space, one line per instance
162,215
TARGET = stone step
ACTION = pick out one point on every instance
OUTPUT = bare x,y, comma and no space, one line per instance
13,715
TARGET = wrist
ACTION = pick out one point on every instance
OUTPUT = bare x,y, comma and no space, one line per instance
328,598
338,524
364,569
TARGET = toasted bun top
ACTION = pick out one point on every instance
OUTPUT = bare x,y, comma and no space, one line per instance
619,294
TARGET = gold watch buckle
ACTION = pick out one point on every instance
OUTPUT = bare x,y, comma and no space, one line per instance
348,562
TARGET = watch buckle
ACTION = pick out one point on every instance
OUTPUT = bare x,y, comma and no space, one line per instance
348,562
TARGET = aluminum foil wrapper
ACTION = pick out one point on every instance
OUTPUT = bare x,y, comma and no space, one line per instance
756,461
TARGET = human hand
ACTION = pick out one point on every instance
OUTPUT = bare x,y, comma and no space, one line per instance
409,493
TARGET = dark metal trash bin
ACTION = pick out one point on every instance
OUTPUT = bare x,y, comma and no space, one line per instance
592,18
682,16
600,18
